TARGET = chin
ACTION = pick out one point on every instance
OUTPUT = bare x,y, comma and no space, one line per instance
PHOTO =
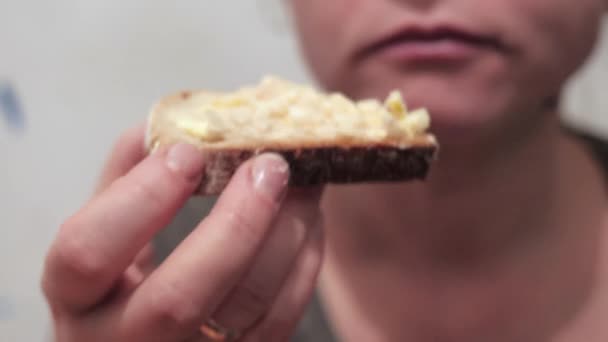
457,123
464,100
461,110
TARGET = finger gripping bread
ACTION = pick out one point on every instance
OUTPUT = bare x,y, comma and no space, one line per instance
325,138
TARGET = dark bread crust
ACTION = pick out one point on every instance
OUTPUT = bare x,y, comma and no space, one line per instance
317,166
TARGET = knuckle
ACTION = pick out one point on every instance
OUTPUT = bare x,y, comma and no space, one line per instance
73,258
142,190
241,225
175,311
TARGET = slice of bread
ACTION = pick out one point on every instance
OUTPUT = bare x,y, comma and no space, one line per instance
325,138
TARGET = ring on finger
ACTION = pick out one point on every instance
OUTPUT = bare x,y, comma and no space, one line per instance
215,332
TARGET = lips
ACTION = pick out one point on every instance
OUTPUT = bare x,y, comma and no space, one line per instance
437,44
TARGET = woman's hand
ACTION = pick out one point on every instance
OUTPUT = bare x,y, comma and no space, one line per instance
250,267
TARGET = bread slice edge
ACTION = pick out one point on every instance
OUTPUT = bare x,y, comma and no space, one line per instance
310,165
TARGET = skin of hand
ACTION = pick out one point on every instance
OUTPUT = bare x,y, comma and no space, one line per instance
251,265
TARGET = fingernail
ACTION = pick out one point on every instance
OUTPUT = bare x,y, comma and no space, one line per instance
186,160
270,175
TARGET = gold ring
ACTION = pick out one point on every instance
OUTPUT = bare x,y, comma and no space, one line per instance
216,333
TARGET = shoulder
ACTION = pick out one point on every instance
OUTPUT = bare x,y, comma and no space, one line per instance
590,325
597,145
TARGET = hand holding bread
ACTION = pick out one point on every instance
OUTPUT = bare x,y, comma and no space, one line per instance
248,269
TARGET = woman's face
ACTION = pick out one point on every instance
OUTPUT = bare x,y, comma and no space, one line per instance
470,62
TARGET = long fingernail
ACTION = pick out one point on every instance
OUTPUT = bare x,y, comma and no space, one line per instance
270,175
186,160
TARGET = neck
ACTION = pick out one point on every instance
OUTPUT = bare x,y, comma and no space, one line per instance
475,202
507,215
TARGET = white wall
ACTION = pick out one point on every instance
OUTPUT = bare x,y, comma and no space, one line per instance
84,71
587,101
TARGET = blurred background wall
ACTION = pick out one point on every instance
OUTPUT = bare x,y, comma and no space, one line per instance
83,71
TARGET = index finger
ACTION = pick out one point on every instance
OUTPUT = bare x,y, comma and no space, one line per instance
96,245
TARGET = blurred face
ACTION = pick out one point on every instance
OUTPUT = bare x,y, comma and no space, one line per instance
470,62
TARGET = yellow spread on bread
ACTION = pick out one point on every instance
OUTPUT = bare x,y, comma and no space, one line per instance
277,110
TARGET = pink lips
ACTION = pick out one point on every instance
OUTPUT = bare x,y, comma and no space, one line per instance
436,45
